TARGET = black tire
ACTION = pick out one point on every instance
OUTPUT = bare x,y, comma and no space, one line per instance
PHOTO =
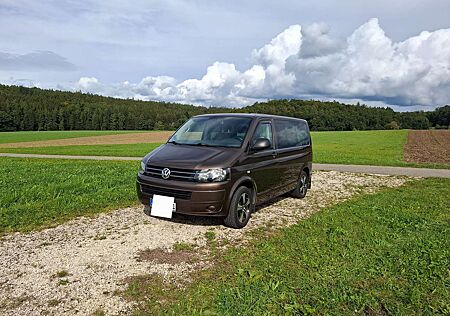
241,207
147,210
302,186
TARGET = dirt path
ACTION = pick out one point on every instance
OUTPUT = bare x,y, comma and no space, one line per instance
429,146
77,267
131,138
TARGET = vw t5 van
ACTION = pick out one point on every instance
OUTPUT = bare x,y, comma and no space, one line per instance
226,164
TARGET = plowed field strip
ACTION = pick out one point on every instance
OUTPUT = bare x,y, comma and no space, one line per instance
429,146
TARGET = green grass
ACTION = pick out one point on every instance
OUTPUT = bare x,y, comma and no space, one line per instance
378,148
116,150
381,148
37,193
387,253
31,136
360,147
183,246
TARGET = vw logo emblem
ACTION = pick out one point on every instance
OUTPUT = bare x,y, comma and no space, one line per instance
165,173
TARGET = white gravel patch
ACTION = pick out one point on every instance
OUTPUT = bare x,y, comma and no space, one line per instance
99,253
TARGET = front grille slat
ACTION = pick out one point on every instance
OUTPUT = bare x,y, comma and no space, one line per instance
178,194
153,172
178,171
184,177
175,173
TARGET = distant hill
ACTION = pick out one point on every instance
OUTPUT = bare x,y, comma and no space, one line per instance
24,108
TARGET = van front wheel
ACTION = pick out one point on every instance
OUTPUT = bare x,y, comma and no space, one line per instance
241,207
302,186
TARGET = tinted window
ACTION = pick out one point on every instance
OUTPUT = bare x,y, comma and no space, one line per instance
213,131
291,133
263,130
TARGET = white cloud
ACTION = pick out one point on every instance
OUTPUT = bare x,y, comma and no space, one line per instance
372,67
280,48
317,42
298,62
88,84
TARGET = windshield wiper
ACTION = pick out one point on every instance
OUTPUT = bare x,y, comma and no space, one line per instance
206,145
193,144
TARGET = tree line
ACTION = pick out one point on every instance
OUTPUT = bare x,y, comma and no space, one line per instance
335,116
34,109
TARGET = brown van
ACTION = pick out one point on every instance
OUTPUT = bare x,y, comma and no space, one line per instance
225,164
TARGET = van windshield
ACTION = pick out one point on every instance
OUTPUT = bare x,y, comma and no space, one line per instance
219,131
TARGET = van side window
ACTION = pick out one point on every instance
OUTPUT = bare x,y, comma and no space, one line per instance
291,133
263,130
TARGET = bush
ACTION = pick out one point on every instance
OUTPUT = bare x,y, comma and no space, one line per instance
392,125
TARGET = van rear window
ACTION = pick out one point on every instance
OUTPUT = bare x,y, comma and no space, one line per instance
291,133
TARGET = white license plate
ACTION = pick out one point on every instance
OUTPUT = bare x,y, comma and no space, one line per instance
162,206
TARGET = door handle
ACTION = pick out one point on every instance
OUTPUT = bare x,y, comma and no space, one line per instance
274,154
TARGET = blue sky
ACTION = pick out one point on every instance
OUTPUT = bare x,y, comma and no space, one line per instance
232,53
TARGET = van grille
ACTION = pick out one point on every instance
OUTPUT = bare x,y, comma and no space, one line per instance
178,194
175,173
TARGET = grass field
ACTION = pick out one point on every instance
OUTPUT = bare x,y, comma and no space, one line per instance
31,136
382,148
359,147
117,150
37,193
379,254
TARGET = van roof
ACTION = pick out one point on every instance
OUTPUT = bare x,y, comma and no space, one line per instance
252,115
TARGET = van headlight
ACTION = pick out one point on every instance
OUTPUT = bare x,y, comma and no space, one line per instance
142,167
212,175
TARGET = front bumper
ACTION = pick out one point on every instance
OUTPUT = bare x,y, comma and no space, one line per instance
191,198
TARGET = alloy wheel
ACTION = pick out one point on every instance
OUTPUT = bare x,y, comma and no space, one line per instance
303,184
243,207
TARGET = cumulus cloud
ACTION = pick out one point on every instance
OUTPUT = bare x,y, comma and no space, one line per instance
301,62
317,42
372,67
38,60
88,84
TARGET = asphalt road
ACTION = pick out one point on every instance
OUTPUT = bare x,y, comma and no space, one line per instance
395,171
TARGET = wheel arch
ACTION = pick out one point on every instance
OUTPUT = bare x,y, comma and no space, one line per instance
307,170
244,181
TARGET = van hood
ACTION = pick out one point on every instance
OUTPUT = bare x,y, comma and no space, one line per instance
192,157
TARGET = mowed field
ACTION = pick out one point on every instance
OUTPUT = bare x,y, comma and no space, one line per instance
382,148
359,147
84,242
37,193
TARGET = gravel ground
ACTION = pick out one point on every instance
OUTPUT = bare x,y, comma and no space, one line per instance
76,268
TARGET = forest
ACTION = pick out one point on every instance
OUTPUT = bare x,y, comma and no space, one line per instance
35,109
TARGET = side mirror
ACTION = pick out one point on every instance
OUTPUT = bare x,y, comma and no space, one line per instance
261,144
